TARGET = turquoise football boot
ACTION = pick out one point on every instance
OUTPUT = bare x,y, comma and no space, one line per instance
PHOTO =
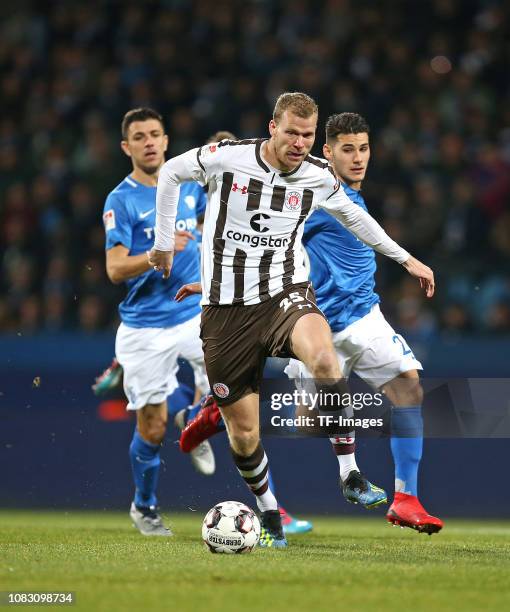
293,525
109,380
358,490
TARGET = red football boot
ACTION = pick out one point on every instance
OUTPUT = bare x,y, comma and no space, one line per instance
407,511
203,426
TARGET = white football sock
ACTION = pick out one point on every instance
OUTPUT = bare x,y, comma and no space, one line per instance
267,501
347,464
346,461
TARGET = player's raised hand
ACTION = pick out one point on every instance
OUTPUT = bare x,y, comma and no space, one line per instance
419,270
161,261
181,240
187,290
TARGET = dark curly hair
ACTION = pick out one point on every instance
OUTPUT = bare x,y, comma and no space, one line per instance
345,123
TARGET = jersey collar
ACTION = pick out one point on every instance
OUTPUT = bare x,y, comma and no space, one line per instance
266,166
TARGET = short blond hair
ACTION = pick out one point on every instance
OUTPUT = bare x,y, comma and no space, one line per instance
297,102
221,135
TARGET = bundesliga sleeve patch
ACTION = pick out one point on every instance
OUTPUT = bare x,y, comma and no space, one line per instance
109,220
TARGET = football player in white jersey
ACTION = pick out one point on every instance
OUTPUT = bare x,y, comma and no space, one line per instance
256,299
181,398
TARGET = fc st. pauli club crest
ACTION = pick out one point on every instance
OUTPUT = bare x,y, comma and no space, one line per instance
293,200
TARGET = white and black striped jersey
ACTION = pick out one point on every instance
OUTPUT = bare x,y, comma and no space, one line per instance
254,220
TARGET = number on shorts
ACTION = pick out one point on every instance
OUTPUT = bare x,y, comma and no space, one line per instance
405,348
293,298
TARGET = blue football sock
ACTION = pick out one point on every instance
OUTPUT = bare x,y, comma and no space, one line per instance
406,447
145,463
271,482
181,398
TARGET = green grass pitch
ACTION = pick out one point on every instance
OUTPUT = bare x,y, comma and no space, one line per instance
345,564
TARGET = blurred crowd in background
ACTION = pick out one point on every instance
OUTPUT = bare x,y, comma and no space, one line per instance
431,78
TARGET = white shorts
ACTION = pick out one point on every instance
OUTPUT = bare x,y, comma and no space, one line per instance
149,356
370,348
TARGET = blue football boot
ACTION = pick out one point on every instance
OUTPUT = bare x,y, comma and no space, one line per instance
358,490
294,525
271,533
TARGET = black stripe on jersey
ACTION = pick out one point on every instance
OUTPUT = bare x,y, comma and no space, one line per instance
199,151
316,162
335,190
258,157
256,141
288,264
322,164
278,198
264,267
254,193
337,183
218,242
246,141
291,172
238,269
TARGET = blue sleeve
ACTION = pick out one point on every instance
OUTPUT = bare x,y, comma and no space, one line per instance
117,223
201,203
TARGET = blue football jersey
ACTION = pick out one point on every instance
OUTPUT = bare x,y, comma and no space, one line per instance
129,218
342,267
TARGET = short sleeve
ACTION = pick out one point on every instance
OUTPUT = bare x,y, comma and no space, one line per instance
117,224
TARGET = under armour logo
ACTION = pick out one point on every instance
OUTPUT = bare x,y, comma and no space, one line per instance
243,189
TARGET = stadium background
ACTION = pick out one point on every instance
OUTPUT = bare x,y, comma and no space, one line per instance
433,84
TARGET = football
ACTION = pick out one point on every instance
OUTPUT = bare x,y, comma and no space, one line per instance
231,527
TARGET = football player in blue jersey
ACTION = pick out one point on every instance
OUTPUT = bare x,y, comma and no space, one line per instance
342,272
155,329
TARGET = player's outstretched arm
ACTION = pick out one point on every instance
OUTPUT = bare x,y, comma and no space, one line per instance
419,270
187,290
366,228
121,266
185,167
363,225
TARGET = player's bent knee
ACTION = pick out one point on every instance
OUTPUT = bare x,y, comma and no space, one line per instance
244,443
154,434
405,390
416,394
324,364
152,428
